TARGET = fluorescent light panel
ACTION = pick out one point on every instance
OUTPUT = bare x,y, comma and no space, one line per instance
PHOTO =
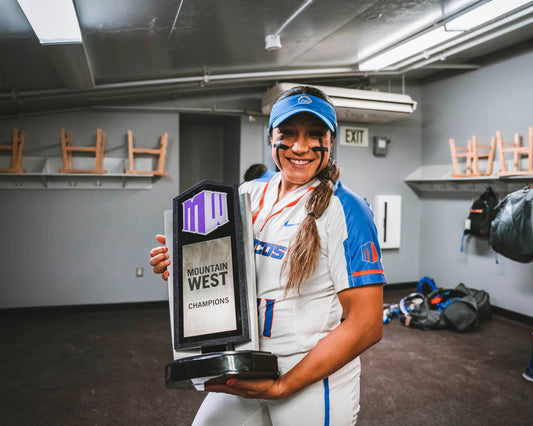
484,13
418,44
54,21
503,26
491,36
476,17
405,32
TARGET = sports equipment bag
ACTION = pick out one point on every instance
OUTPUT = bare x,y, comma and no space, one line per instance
511,230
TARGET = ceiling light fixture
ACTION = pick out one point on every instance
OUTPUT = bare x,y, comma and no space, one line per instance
475,37
418,44
272,41
483,14
465,46
422,44
53,21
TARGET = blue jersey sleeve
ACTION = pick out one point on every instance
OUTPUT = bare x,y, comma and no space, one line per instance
358,254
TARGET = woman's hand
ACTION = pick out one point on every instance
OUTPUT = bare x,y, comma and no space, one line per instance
251,388
159,258
362,327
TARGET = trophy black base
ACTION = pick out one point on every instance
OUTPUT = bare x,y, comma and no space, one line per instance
216,367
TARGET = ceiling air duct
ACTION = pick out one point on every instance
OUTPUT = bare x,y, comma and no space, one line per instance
363,106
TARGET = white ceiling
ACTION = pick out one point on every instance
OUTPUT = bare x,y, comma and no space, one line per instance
143,50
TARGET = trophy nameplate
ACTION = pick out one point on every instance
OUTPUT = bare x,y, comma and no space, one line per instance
212,292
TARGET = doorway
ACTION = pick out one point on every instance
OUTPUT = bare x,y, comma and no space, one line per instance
209,149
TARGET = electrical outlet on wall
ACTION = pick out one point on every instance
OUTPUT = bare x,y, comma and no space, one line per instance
139,271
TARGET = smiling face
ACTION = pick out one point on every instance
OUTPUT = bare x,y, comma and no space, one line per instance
306,138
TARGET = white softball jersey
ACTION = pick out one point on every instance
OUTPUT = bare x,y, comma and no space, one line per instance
293,323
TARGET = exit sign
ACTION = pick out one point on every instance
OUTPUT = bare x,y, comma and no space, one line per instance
354,136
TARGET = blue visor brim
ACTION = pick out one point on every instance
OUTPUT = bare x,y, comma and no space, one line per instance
287,107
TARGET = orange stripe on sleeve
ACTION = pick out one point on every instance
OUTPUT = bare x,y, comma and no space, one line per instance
370,271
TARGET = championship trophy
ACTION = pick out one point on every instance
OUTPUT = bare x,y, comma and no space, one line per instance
212,292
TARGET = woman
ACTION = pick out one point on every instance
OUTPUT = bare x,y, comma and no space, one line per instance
326,267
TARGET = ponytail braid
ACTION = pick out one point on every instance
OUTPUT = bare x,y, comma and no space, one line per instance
303,253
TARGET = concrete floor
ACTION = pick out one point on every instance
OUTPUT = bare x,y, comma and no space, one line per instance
106,367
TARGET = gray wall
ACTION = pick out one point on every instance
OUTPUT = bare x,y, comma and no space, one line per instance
496,97
68,247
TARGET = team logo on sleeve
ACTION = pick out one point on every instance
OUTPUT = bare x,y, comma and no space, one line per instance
370,253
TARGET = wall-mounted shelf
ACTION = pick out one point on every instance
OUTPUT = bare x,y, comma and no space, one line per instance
43,173
438,177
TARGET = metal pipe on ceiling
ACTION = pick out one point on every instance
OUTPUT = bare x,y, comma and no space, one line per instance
174,109
294,15
262,75
202,79
174,24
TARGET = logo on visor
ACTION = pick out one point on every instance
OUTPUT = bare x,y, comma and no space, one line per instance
304,99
